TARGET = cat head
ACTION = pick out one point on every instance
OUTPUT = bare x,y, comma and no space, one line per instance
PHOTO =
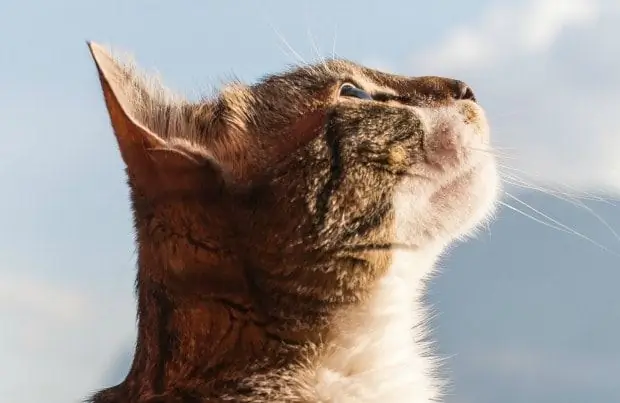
322,166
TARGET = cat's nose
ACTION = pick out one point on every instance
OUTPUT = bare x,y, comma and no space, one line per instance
434,90
463,91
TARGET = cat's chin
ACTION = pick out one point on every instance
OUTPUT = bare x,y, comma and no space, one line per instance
469,200
456,196
462,166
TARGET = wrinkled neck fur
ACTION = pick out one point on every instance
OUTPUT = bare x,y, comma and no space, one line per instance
375,351
187,338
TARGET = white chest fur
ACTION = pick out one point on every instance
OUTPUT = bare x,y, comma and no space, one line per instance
378,353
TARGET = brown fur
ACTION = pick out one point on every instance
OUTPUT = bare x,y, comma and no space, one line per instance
260,215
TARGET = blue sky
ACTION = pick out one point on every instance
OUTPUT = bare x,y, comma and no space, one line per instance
545,69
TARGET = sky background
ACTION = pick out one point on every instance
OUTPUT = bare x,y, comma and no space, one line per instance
525,313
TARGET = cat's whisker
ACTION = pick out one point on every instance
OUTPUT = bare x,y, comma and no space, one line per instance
316,49
511,196
516,181
573,200
499,154
589,195
488,225
497,148
494,152
554,223
578,203
531,217
300,60
569,197
334,42
523,183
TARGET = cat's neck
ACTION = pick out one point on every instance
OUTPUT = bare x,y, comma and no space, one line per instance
211,342
209,339
377,351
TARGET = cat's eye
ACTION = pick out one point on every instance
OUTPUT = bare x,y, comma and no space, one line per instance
349,90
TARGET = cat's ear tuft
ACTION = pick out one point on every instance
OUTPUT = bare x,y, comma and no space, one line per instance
138,113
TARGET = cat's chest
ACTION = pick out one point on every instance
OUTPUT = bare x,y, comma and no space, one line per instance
376,353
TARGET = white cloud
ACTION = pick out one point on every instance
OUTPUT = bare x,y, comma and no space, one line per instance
510,31
51,333
546,71
543,21
54,302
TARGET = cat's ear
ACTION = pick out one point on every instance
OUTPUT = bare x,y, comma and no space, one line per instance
155,161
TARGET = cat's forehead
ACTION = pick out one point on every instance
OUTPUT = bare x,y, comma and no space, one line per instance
338,71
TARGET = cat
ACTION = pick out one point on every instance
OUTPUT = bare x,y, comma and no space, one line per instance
285,230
